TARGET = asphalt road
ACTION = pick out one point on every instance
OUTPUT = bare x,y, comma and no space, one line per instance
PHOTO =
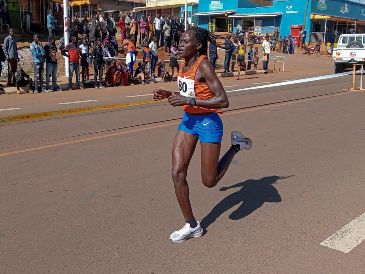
92,193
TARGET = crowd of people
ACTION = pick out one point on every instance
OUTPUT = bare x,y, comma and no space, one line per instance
110,46
95,42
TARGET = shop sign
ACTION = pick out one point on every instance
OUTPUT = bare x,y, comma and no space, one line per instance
215,5
162,3
321,5
345,9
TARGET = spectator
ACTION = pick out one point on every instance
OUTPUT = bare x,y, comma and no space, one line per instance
108,51
121,76
154,57
110,23
123,31
162,24
143,28
266,48
11,55
76,27
38,54
173,61
127,22
157,25
134,30
23,80
167,35
256,57
103,26
229,48
146,53
131,55
98,64
94,30
140,73
109,74
84,47
2,58
213,53
51,24
291,44
51,64
74,65
85,27
250,57
241,52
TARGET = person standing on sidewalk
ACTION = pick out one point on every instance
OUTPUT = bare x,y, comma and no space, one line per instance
154,56
229,48
51,64
98,64
213,53
38,54
51,24
11,55
74,59
266,48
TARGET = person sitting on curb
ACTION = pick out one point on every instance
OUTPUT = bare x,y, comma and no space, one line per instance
23,80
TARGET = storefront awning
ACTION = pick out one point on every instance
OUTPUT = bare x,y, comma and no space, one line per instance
74,2
256,15
336,19
212,13
138,9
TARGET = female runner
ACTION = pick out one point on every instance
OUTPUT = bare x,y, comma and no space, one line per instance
202,96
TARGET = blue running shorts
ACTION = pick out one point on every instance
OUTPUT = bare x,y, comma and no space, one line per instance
207,127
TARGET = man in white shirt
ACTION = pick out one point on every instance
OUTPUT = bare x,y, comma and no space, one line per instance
266,49
154,57
157,24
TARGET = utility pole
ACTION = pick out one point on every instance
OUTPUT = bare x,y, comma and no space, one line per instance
305,20
65,31
186,14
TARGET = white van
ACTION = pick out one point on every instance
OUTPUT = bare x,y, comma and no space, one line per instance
350,49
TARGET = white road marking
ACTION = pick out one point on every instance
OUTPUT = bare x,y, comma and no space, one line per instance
141,95
8,109
78,102
293,82
348,237
269,85
231,86
262,83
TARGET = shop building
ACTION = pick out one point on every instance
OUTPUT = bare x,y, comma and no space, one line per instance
318,16
169,8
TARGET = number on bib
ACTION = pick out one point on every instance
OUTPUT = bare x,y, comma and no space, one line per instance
186,87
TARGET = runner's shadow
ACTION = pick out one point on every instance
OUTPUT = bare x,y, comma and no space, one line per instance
251,196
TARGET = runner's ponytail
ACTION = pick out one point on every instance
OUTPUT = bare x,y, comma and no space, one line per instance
204,36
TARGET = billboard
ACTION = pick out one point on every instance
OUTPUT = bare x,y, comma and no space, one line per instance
255,3
339,8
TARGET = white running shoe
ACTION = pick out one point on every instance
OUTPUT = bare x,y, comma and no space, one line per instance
186,233
237,138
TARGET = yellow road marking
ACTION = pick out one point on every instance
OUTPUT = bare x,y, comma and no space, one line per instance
42,115
10,153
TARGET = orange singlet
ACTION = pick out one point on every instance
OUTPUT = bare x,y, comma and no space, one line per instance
189,87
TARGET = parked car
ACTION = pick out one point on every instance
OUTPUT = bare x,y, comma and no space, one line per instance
350,49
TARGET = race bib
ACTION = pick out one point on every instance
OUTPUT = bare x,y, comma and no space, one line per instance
186,87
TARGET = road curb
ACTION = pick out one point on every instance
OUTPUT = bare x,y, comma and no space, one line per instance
65,112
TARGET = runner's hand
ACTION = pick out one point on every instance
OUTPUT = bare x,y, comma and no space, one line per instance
178,100
160,94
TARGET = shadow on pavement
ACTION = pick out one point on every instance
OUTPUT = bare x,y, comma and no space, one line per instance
1,89
251,195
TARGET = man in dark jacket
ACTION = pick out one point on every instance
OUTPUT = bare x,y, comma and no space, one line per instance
213,53
229,48
11,55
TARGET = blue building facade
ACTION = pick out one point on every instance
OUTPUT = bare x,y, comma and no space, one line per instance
265,15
